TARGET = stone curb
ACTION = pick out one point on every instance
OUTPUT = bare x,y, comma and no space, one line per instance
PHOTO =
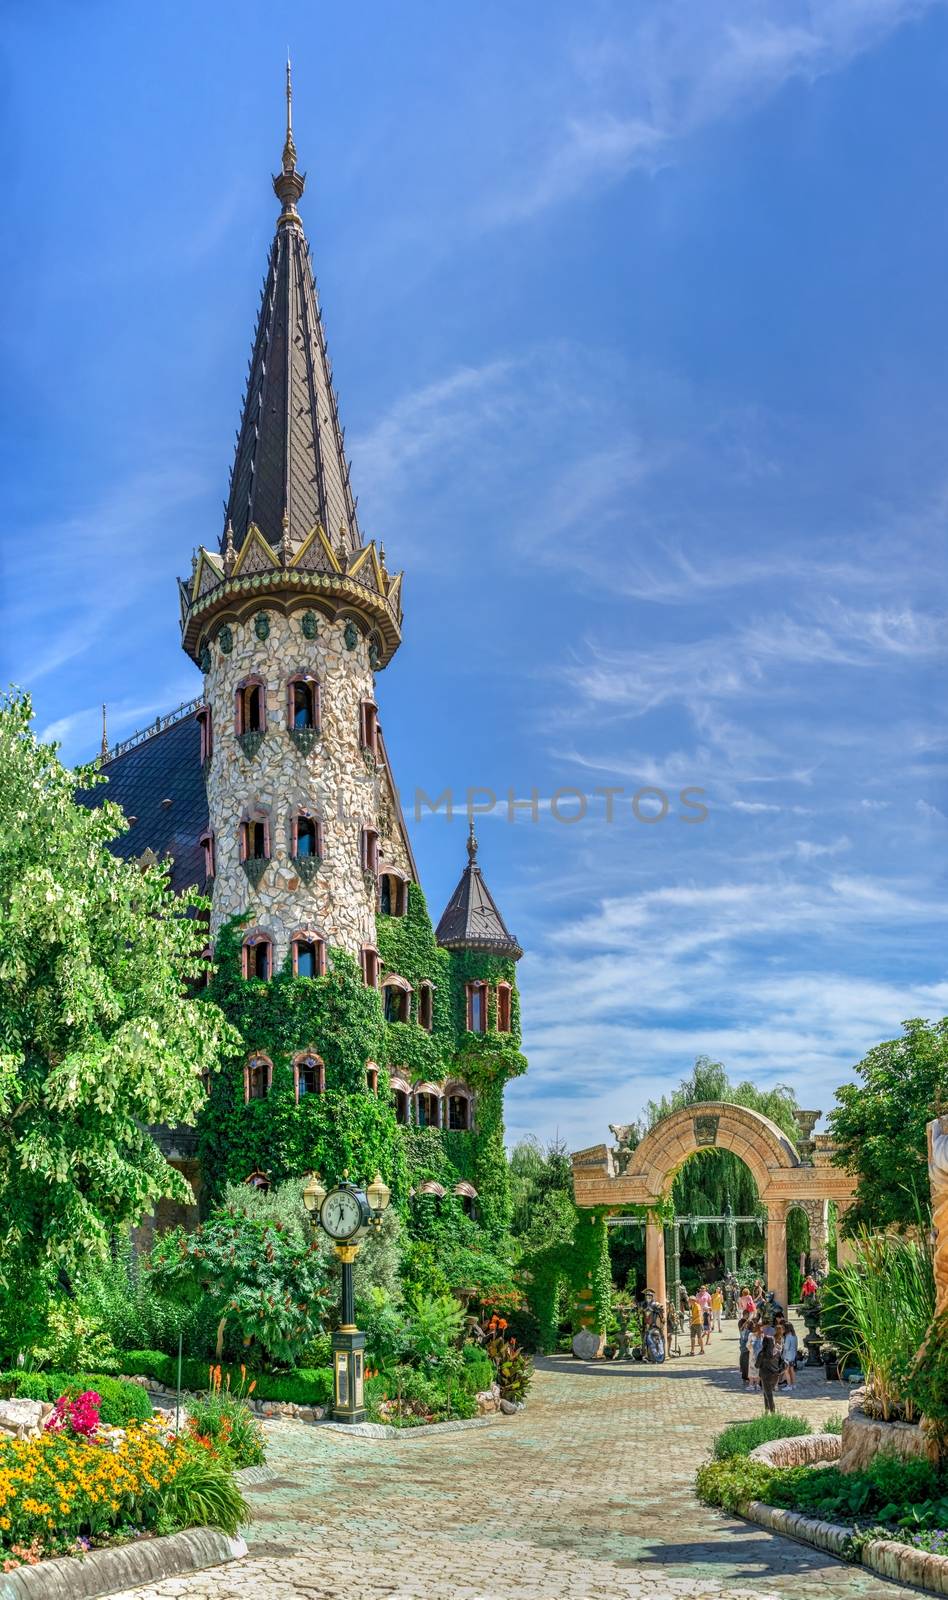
890,1559
248,1476
128,1566
383,1430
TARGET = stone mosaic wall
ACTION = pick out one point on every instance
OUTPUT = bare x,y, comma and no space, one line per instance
336,781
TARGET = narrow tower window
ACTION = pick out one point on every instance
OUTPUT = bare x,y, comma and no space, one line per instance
257,956
251,707
370,966
303,708
477,1007
207,845
393,895
396,1000
258,1073
459,1111
207,737
307,836
369,727
309,956
255,839
428,1109
369,850
425,1005
503,1008
309,1075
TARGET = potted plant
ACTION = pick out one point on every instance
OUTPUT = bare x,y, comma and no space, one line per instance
829,1355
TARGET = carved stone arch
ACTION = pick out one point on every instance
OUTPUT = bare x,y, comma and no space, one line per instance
759,1143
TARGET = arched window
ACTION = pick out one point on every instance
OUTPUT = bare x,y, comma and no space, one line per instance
258,1180
401,1100
302,709
258,1075
426,1005
309,955
306,837
207,739
467,1198
309,1075
477,1007
427,1105
370,966
396,999
258,955
503,1008
369,727
250,710
393,894
459,1109
207,845
372,1077
369,850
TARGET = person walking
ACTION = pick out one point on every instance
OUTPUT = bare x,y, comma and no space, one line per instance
745,1301
696,1319
744,1333
791,1347
717,1306
768,1367
704,1301
755,1341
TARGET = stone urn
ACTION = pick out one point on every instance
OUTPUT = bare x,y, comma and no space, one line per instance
812,1310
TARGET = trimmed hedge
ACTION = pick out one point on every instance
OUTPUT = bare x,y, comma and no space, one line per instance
304,1386
122,1402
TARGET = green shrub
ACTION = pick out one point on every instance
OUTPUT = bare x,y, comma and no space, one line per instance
122,1402
834,1424
732,1483
743,1437
887,1490
478,1372
304,1386
203,1493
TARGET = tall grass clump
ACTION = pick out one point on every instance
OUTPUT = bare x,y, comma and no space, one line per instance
879,1310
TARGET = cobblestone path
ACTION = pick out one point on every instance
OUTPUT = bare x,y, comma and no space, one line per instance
586,1493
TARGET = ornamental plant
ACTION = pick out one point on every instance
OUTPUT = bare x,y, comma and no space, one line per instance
79,1417
268,1288
223,1423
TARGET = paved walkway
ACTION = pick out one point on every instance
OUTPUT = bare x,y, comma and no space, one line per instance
587,1493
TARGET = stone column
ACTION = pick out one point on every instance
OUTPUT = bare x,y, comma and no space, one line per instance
818,1216
675,1285
777,1249
655,1256
730,1248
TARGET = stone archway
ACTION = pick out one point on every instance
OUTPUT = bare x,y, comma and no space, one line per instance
610,1179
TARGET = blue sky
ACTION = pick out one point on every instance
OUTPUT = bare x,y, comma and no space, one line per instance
637,316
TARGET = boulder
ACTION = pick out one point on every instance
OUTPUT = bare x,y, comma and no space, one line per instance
23,1419
800,1450
588,1345
509,1408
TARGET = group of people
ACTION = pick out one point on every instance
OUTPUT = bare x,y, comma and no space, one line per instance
768,1347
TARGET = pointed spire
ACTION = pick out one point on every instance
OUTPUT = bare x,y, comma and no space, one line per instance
104,752
471,920
289,184
230,554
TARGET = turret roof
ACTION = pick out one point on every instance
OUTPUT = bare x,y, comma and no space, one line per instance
471,920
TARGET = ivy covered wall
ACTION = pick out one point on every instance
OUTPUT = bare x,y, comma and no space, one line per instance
341,1021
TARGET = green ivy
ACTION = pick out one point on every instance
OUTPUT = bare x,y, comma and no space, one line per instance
348,1127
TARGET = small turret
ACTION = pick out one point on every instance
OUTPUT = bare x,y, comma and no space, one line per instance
471,920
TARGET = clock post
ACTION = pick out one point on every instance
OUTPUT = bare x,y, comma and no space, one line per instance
346,1214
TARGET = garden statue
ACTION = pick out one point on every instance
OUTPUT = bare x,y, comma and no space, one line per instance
938,1178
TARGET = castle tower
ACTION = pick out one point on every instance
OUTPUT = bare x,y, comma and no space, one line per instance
289,620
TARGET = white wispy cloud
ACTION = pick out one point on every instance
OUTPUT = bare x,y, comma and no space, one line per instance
631,96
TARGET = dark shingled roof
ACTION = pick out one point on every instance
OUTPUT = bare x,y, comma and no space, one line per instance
143,779
471,920
290,446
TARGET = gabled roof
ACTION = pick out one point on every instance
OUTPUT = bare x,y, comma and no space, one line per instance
158,781
471,920
290,459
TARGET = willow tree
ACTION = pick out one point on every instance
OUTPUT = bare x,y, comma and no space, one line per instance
98,1035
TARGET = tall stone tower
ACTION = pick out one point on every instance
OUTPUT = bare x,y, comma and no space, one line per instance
289,620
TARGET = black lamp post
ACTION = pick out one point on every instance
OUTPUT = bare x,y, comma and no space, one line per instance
346,1214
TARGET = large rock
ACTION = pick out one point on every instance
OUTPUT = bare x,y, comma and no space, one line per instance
588,1345
799,1450
865,1437
23,1419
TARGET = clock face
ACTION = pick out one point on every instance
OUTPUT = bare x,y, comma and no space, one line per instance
341,1214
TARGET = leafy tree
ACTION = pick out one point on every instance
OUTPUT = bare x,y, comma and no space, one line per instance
542,1192
267,1285
879,1125
98,1037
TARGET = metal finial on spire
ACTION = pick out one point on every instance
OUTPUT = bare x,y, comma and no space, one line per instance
471,842
289,183
104,753
289,148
